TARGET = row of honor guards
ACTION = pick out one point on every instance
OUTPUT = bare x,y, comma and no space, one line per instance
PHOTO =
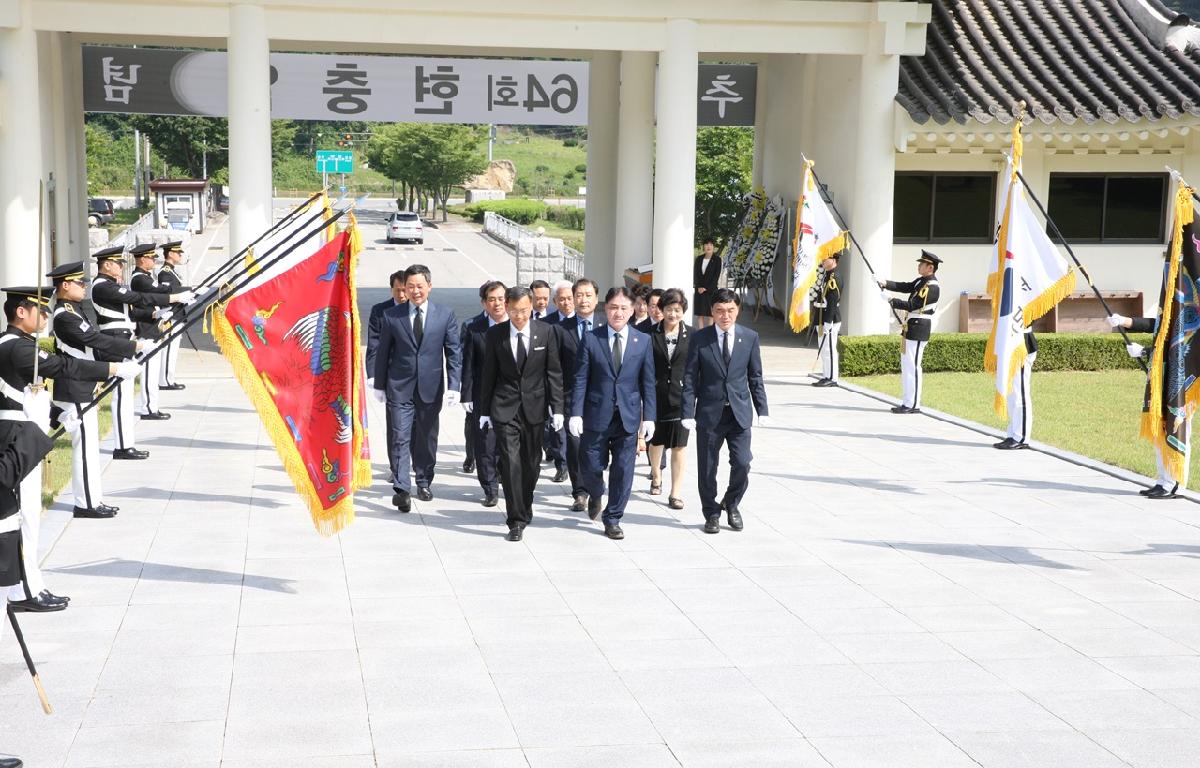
129,319
584,384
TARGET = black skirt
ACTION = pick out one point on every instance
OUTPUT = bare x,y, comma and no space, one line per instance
669,434
702,304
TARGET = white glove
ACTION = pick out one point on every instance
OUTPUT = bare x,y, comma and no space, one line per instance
203,291
452,398
688,424
1117,321
469,407
162,312
647,430
485,422
763,421
187,297
819,304
575,426
379,395
370,383
1134,349
128,369
556,421
70,421
36,406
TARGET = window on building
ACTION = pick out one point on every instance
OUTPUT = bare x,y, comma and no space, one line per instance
1109,208
944,207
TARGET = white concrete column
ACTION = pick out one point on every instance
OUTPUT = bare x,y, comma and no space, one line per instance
675,157
635,163
20,149
875,172
249,125
760,125
65,72
75,199
604,76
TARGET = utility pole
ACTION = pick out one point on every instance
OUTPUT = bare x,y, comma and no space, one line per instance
491,140
204,160
137,168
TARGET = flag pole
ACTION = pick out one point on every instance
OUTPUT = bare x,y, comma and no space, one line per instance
37,681
853,239
35,383
1082,269
193,318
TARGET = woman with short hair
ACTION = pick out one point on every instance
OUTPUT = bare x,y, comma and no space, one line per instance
670,345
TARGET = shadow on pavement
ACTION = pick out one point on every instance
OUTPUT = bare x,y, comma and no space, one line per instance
130,569
992,554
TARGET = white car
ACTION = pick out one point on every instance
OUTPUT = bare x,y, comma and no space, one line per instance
405,225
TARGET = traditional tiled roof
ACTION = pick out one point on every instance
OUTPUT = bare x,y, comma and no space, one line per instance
1070,60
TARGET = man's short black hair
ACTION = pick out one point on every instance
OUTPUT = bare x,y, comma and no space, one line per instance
518,292
656,293
539,284
725,296
642,291
490,286
585,281
397,277
618,291
418,269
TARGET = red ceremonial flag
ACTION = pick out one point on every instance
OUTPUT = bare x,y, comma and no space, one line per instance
293,343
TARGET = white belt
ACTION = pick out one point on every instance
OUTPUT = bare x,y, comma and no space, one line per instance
10,523
75,353
117,325
13,416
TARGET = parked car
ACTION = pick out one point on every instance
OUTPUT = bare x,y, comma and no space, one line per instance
100,211
223,199
405,225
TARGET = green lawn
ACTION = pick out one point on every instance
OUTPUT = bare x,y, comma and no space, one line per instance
529,153
1094,413
573,238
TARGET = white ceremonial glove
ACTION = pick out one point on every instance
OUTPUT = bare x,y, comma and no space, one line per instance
1117,321
128,369
882,285
452,398
485,422
161,312
556,421
647,430
379,395
36,406
575,426
1134,349
370,383
203,291
688,424
763,421
187,298
70,421
469,407
819,304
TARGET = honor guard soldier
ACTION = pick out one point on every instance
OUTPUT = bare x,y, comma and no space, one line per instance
829,317
111,300
920,305
1020,401
25,308
169,278
146,319
76,337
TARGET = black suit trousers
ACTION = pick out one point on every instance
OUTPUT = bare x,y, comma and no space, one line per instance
708,458
519,444
486,460
470,427
414,442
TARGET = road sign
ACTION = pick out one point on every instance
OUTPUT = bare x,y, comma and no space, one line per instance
335,161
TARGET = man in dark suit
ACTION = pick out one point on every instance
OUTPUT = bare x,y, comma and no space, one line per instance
522,383
613,403
415,339
374,323
470,420
722,377
584,295
555,443
540,291
491,295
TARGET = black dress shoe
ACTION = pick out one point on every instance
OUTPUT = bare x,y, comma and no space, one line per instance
154,416
402,501
514,534
595,505
130,454
173,387
53,597
1160,493
712,525
614,532
108,508
424,494
913,410
35,604
826,383
469,466
489,500
1005,444
579,503
1156,488
560,474
735,519
819,382
96,513
900,409
10,762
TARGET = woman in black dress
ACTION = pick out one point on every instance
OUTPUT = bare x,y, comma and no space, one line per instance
670,344
706,273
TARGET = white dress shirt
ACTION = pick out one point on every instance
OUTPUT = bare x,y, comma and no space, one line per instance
512,340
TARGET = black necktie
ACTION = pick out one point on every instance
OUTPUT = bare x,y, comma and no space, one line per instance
725,351
617,354
522,353
418,327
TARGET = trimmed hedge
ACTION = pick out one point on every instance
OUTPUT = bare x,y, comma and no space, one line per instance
520,211
567,216
963,352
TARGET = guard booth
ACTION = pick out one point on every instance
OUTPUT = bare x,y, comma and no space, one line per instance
181,204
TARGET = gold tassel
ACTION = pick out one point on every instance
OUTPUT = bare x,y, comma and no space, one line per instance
1061,289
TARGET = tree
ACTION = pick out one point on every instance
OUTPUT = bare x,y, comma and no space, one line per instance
724,160
429,158
184,141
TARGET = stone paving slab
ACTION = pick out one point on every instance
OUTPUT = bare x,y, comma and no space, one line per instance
902,595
